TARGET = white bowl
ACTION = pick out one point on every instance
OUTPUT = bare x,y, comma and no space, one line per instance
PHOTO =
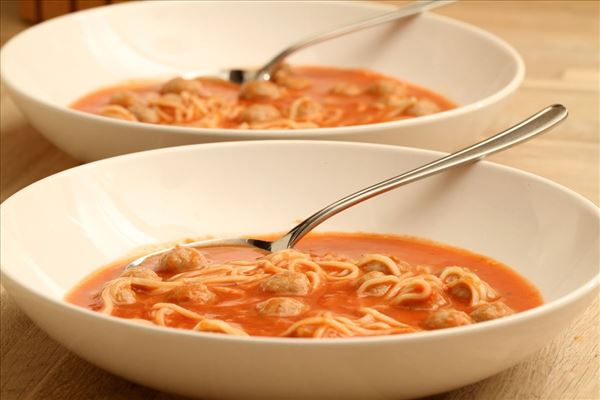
52,64
60,229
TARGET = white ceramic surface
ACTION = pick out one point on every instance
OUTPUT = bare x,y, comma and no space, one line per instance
51,65
60,229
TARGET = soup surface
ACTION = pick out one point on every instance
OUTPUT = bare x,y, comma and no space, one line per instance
331,285
296,98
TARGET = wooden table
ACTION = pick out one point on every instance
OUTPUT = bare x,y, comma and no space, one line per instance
560,44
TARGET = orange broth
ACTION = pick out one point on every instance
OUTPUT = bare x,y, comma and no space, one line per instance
357,109
337,296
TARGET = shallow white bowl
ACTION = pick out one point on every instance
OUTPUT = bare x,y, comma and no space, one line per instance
50,65
60,229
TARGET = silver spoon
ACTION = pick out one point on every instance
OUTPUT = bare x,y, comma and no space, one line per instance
532,126
266,72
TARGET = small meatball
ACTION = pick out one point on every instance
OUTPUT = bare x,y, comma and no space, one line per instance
417,269
345,89
374,290
125,296
282,70
285,77
387,87
309,109
178,85
488,311
181,259
194,292
398,104
462,291
126,99
260,90
280,307
260,113
306,109
375,266
446,318
294,283
120,292
381,263
423,107
141,272
144,114
369,275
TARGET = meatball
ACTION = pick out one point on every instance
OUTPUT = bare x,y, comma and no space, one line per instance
124,296
178,85
193,292
374,290
375,266
260,113
345,89
306,109
282,70
386,87
285,77
126,99
446,318
381,263
461,290
488,311
369,275
180,259
294,283
144,114
259,90
400,103
423,107
280,307
120,292
141,272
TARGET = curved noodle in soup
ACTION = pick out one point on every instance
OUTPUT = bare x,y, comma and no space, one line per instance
331,285
297,98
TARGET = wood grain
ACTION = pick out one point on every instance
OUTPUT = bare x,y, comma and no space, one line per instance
559,41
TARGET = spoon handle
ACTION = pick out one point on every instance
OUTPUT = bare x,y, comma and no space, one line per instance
525,130
413,8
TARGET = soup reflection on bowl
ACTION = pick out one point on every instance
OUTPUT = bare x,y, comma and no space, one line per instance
453,235
346,95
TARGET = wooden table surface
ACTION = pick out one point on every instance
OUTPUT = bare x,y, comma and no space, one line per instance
560,44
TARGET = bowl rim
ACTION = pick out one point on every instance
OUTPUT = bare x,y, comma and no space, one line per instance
424,336
332,132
